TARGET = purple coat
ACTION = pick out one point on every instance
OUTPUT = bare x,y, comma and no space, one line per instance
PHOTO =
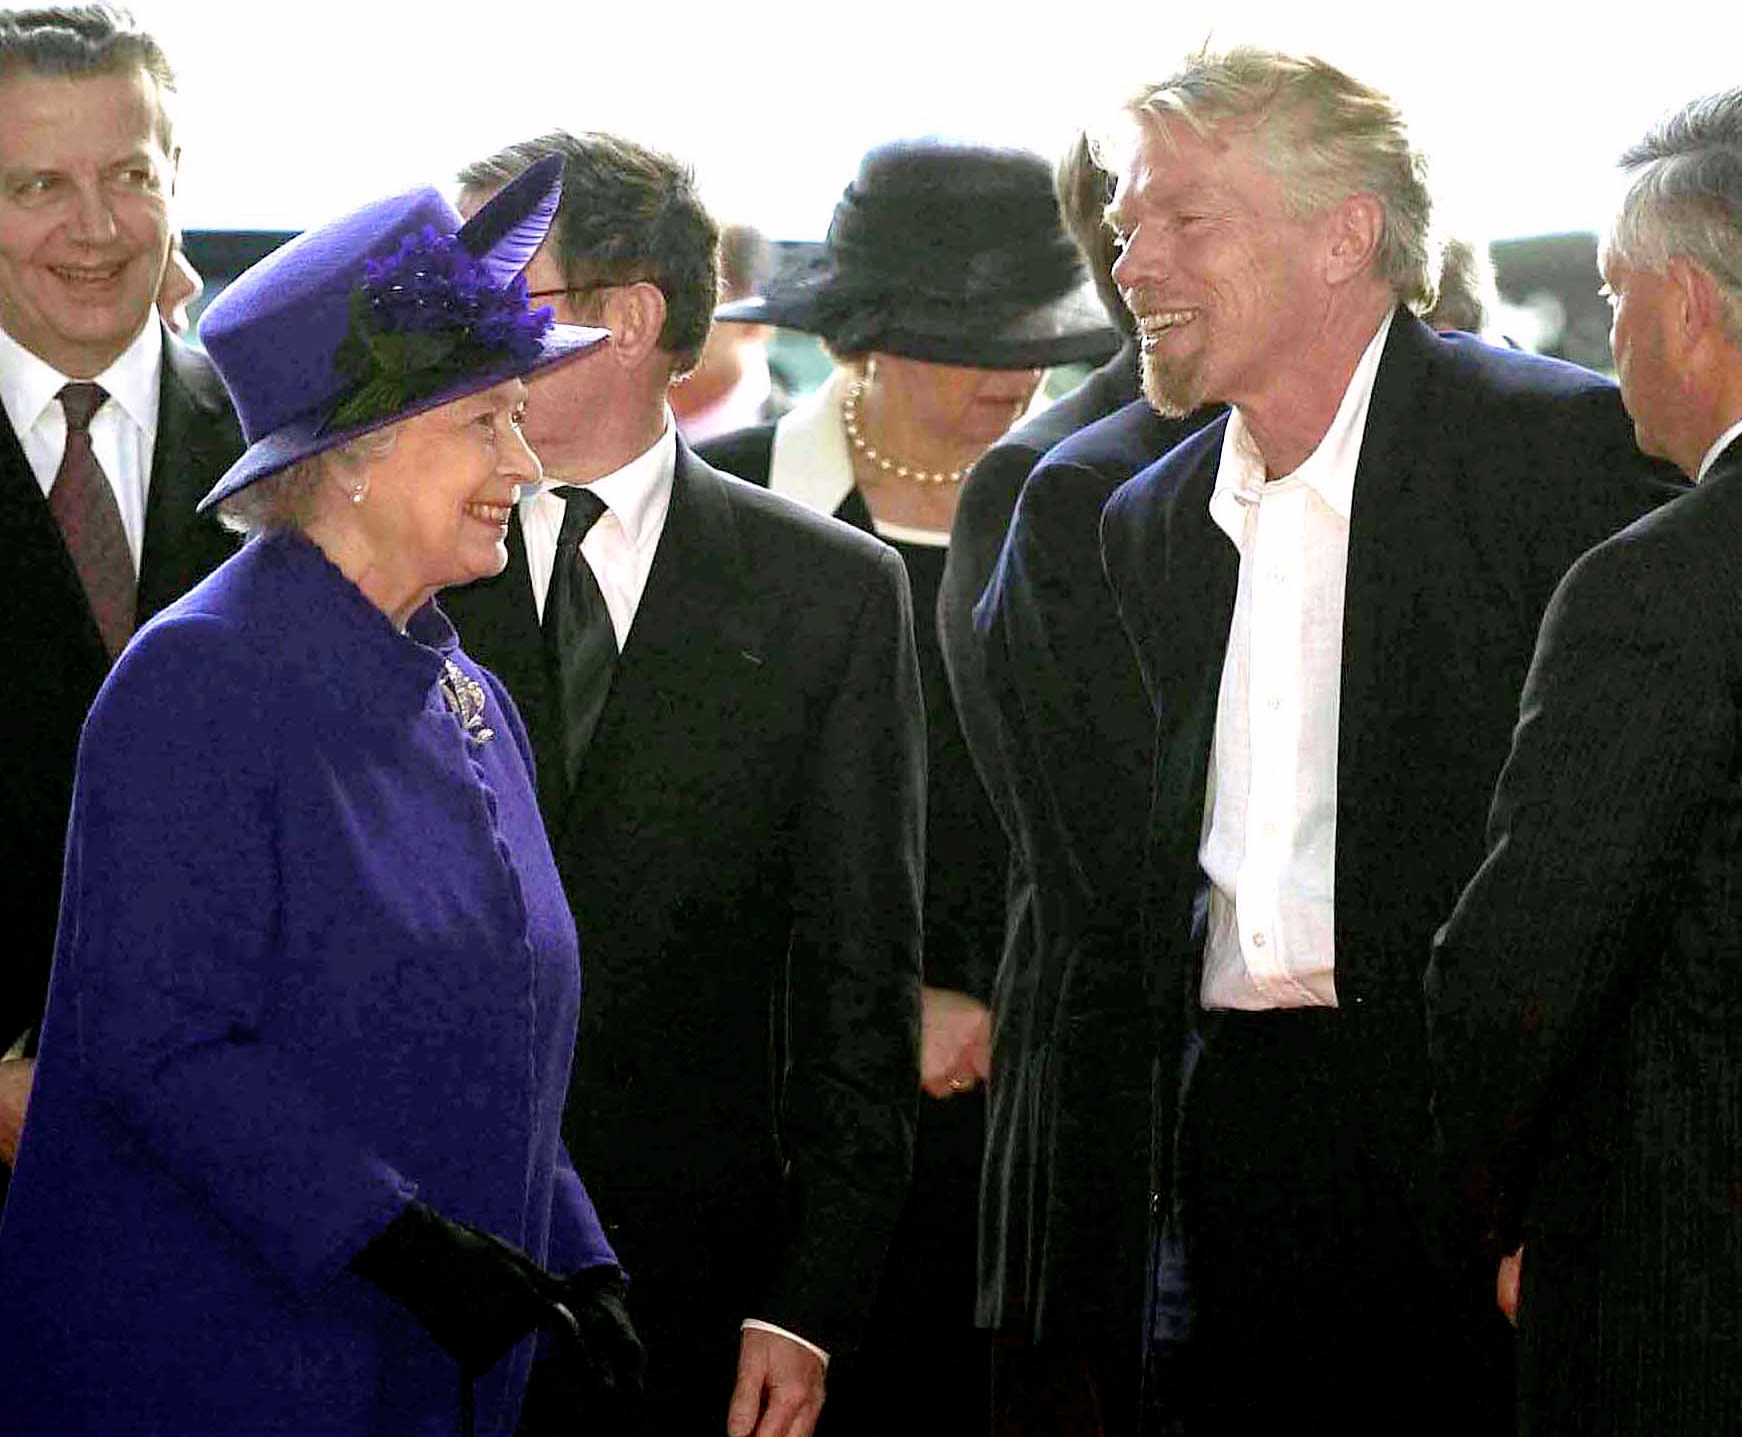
314,959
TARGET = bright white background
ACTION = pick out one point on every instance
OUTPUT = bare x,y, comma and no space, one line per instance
293,112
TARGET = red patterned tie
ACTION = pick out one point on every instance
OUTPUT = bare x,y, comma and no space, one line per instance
83,504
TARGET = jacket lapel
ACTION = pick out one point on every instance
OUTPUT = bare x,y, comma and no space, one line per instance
1385,549
695,636
1200,571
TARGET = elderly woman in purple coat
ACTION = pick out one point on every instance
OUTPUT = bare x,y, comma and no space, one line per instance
292,1163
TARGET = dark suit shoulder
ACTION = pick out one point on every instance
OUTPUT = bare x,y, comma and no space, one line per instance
196,375
1128,440
1160,482
745,453
1103,391
1503,404
794,555
1676,553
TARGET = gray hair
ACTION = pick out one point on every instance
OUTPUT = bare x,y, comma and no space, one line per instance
1323,134
1685,198
286,500
75,41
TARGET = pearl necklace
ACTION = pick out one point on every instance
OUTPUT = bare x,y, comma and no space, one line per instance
850,422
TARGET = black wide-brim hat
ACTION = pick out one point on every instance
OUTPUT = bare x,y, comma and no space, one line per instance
944,252
397,308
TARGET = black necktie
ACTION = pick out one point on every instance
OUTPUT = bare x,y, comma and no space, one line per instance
579,643
83,504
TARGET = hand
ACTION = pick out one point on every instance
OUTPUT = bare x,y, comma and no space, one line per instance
15,1077
595,1379
955,1046
473,1293
779,1381
1506,1285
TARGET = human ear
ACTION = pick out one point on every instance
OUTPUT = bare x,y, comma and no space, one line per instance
635,315
1357,225
1698,309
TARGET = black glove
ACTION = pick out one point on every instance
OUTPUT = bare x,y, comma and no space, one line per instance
591,1380
474,1294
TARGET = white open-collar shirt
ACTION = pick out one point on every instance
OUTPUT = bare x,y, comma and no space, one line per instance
1269,838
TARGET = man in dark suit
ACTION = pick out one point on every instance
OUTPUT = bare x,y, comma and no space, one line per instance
87,169
1064,1208
1332,593
989,491
740,839
1585,1000
1063,1211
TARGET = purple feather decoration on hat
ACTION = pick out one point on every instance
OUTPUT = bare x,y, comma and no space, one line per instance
507,239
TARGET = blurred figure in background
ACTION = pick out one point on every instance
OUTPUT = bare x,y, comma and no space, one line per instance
1466,298
181,286
731,386
946,285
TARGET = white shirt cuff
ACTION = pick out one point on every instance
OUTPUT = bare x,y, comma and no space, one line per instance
761,1326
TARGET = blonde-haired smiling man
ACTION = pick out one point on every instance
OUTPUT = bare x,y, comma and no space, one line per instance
1332,594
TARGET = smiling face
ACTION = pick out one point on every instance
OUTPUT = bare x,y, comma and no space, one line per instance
1222,280
436,506
84,221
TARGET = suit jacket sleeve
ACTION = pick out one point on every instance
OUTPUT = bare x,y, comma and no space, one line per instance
853,975
1624,734
976,538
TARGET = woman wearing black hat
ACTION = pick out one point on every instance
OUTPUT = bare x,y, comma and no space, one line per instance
292,1163
945,286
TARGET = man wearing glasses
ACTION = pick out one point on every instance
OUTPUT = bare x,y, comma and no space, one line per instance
722,693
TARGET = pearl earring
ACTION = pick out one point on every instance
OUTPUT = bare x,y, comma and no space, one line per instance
358,492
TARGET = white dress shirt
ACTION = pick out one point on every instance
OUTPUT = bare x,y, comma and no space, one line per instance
1269,838
123,431
620,546
1719,445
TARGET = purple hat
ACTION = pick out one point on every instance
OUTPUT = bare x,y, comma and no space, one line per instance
394,309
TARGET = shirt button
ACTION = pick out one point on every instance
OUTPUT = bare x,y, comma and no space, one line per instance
1273,703
1257,940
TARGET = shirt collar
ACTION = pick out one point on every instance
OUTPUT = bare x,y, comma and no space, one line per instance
810,461
1719,445
1329,470
29,383
634,492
